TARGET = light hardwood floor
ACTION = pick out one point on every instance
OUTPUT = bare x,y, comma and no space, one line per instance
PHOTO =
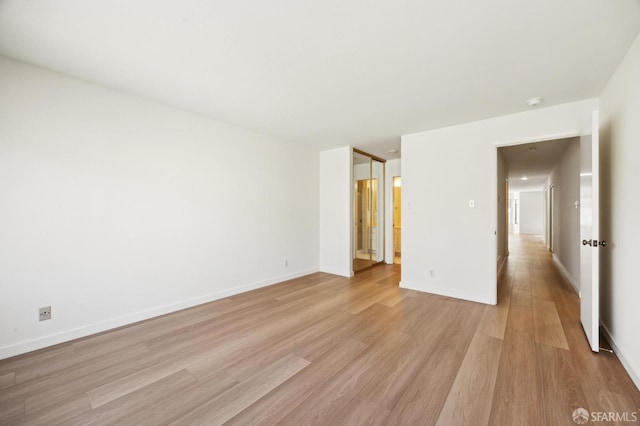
328,350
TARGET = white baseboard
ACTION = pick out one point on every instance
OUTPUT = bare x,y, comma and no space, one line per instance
632,369
68,335
457,294
566,274
336,271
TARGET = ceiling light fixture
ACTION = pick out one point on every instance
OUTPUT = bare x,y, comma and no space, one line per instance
534,102
392,151
524,178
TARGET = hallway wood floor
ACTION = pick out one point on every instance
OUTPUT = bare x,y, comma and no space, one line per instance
329,350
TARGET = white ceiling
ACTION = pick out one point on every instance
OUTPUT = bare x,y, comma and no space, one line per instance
330,73
535,161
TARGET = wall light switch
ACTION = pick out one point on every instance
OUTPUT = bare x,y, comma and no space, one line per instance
472,203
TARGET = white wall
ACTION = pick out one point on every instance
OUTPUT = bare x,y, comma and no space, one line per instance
336,189
394,168
620,177
445,168
532,212
114,209
565,178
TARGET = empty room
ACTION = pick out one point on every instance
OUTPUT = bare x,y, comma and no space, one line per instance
319,213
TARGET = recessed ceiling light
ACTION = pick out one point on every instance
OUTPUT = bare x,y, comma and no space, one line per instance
534,102
524,178
392,151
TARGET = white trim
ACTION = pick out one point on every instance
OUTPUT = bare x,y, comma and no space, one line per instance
542,138
566,273
632,369
457,294
336,271
76,333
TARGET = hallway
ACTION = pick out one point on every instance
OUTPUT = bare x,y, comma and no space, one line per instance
546,367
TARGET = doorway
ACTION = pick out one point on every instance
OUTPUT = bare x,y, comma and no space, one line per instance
397,219
368,209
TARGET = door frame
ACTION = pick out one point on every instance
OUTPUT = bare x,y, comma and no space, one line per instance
552,218
381,209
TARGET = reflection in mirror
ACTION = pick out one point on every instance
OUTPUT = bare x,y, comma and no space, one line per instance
368,206
397,218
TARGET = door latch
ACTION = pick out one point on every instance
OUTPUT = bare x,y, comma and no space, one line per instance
594,243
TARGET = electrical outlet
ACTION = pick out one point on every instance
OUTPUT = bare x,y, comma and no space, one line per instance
45,313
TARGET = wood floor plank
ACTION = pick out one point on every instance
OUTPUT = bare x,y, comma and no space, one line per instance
393,299
548,327
319,333
7,380
75,359
376,321
62,412
357,306
469,400
606,373
362,411
34,358
542,288
198,363
118,388
286,287
339,390
223,327
516,394
559,385
62,384
310,290
150,329
119,411
277,404
568,304
494,320
424,397
181,402
11,412
230,403
387,384
623,405
256,341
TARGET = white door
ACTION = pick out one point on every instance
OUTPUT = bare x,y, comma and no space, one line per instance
590,233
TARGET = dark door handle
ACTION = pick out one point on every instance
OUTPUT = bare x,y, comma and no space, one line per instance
594,243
